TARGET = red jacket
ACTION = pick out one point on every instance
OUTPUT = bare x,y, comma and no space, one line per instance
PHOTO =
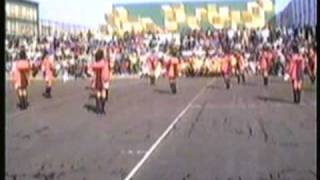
226,64
19,73
265,60
152,62
47,67
104,75
296,66
173,67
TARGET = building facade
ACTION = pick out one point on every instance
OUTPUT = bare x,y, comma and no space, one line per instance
22,18
299,13
50,27
194,15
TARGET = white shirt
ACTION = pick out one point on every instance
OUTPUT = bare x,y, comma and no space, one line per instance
265,34
230,34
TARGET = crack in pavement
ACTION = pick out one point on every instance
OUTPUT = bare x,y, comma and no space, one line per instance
196,119
312,173
249,129
265,134
41,173
187,176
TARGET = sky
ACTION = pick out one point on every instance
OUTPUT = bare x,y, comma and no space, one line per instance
90,13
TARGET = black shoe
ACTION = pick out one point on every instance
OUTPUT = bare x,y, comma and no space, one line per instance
238,79
23,103
45,95
173,88
294,96
312,80
298,96
152,80
49,92
20,103
228,84
265,81
97,105
243,79
107,95
103,103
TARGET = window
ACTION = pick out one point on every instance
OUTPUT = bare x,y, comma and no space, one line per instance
20,15
35,15
34,30
28,13
7,9
32,14
24,12
15,11
7,27
13,28
17,28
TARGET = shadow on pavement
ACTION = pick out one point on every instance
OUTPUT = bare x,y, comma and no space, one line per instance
215,87
274,99
309,88
90,108
251,84
162,91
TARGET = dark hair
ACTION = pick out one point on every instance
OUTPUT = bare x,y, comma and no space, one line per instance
22,54
295,48
99,55
44,54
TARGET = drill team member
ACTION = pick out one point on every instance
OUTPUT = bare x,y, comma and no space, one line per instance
20,78
173,70
240,67
296,68
311,65
152,66
106,75
47,67
226,67
265,61
99,78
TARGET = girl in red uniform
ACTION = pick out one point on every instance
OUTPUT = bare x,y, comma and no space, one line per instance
226,67
296,68
20,78
47,67
311,66
152,65
265,64
240,67
106,75
173,71
99,74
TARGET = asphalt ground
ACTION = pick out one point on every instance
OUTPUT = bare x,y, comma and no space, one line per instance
247,132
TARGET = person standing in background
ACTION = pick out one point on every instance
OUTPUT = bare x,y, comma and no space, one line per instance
296,68
98,71
311,64
47,67
173,70
226,68
20,78
152,65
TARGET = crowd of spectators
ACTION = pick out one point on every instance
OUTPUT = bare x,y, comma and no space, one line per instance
128,54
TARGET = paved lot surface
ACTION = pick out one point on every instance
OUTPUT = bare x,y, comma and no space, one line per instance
248,132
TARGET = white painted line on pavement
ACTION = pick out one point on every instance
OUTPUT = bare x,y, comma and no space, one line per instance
164,134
